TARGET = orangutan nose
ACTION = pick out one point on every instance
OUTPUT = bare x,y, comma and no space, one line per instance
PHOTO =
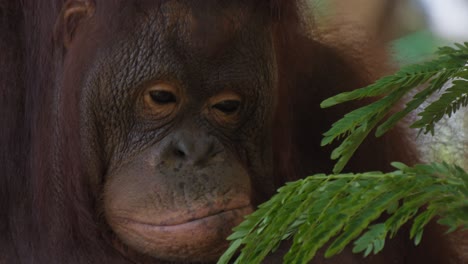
194,148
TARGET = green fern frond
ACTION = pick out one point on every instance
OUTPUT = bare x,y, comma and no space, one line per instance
356,125
321,208
449,102
435,85
449,58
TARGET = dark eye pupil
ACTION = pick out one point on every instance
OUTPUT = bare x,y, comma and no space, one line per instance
228,106
162,97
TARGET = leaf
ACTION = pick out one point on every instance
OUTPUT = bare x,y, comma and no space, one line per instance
354,127
229,253
450,101
419,223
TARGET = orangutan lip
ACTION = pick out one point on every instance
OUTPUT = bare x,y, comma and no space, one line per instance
191,220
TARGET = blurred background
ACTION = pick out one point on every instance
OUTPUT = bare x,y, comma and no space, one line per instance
415,28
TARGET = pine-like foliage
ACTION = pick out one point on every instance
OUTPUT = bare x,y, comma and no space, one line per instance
451,65
341,207
319,208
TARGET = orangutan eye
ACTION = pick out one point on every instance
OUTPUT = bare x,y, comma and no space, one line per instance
161,100
162,97
228,106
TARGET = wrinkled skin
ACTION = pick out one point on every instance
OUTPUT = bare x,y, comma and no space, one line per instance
180,154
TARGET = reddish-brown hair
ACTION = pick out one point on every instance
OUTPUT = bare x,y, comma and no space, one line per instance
47,209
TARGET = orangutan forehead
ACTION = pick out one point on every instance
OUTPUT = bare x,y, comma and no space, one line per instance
203,16
202,26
